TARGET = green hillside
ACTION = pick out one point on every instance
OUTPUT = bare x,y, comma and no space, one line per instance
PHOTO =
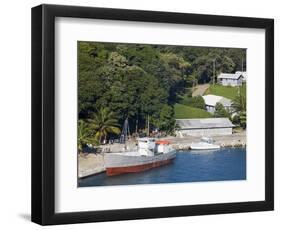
187,112
225,91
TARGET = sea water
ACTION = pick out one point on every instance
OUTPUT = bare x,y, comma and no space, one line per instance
188,166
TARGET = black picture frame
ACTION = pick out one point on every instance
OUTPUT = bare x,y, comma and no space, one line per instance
43,114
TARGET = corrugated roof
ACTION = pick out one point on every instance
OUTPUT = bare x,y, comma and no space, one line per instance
212,100
204,123
230,75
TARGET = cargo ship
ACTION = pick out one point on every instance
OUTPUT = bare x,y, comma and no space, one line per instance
149,153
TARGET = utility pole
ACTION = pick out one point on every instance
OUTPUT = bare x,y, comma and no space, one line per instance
128,129
137,122
242,63
148,125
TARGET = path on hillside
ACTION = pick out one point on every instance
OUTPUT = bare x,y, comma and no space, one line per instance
200,90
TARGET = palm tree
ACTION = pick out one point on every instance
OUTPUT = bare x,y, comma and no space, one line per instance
85,135
243,120
240,107
239,103
104,122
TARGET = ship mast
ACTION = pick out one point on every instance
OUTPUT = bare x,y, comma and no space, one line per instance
125,134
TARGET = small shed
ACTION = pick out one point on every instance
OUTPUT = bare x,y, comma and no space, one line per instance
230,79
204,127
211,101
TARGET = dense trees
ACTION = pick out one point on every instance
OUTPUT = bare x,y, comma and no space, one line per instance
166,121
138,81
239,106
85,135
220,111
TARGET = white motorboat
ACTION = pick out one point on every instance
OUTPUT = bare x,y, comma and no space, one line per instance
206,143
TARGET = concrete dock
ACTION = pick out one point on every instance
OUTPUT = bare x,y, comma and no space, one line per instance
234,140
91,164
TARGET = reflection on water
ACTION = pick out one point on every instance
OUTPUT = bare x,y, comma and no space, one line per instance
188,166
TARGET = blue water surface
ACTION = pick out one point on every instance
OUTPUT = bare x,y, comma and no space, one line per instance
188,166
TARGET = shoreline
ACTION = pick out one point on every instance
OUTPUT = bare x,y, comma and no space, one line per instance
93,164
90,164
233,140
187,147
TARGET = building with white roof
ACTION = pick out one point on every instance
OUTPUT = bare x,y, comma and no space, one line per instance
244,75
211,101
230,79
204,127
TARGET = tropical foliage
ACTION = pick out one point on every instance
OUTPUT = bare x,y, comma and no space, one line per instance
85,135
220,111
103,123
239,106
243,119
166,119
137,81
239,103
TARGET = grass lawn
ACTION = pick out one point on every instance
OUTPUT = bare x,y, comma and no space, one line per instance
225,91
187,112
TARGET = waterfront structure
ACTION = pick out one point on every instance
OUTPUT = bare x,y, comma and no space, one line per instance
204,127
230,79
211,101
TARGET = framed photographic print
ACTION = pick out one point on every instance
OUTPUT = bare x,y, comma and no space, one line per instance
141,114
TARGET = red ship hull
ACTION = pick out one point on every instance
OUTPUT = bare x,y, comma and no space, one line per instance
136,168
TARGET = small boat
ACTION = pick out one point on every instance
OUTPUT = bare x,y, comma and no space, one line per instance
206,143
150,153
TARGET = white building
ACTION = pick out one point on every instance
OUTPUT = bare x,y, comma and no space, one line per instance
244,75
211,101
204,127
230,79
